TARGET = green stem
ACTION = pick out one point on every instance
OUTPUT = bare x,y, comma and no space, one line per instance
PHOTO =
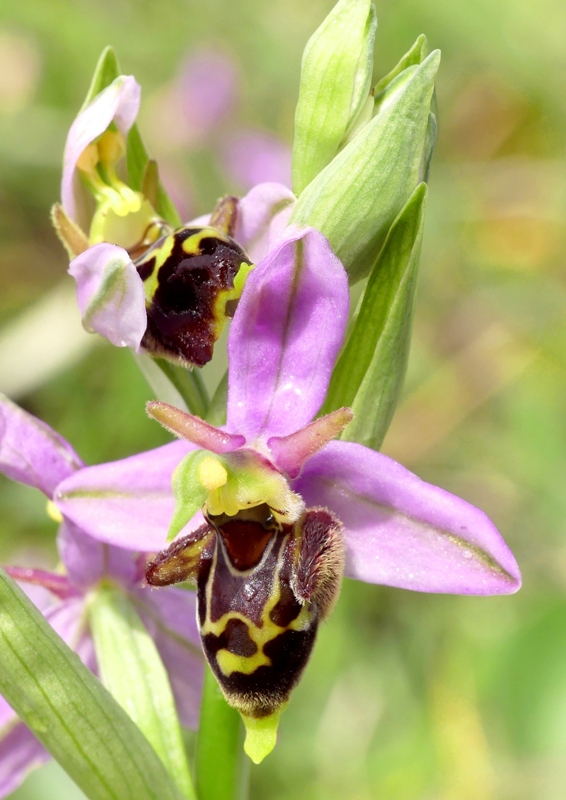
217,408
189,384
221,765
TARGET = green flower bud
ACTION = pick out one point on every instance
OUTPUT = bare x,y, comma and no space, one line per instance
355,199
335,81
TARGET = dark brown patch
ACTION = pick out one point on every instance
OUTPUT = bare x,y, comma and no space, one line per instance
181,321
235,638
287,608
268,687
245,542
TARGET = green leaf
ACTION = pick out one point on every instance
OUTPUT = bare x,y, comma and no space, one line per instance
106,70
370,372
69,710
220,764
355,199
190,494
132,670
175,385
336,74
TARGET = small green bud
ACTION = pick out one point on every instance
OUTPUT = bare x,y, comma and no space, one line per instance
335,81
355,199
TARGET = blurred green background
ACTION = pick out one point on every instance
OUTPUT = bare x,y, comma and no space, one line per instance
407,696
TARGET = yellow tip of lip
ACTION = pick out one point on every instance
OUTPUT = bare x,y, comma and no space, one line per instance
261,735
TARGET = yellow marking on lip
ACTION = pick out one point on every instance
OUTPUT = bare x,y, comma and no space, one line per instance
266,632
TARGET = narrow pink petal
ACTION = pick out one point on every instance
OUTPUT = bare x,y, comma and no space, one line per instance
127,503
57,584
401,531
118,103
194,429
170,617
290,452
110,294
285,336
31,452
263,214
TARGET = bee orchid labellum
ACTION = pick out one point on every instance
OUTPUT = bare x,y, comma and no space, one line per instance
264,584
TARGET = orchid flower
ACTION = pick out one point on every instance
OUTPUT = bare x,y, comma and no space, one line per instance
140,282
273,473
33,454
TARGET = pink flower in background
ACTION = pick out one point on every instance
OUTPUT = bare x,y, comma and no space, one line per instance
33,454
250,157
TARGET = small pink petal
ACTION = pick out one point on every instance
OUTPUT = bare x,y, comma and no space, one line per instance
110,294
194,429
290,452
263,214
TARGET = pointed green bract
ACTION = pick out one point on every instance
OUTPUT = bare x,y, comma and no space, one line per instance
69,710
355,199
370,372
107,70
133,672
335,81
412,58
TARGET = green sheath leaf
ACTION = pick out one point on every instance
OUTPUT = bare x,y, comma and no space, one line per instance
355,199
413,57
69,710
370,372
133,672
